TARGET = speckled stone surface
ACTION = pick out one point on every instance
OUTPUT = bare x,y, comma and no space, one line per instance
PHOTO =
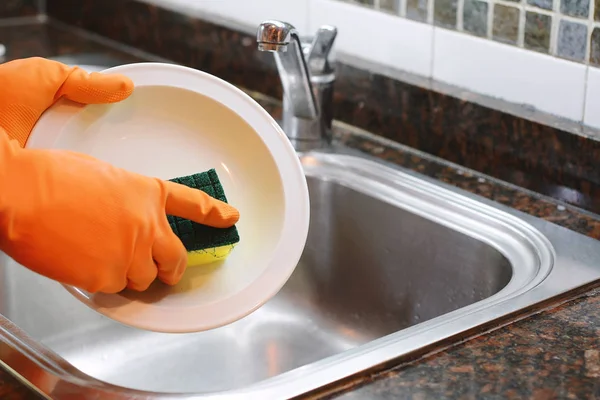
12,389
43,40
454,126
555,355
19,8
551,355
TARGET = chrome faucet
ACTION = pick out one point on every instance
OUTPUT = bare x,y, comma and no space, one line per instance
307,76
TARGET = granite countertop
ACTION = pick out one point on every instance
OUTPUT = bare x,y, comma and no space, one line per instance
552,354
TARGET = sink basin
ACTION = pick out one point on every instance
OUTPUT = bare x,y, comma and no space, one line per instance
394,262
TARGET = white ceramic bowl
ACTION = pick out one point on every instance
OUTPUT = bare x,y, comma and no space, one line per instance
180,121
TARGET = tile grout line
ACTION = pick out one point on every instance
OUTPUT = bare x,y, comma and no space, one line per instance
588,48
430,11
432,47
555,21
588,37
460,6
521,27
490,21
585,91
402,8
430,6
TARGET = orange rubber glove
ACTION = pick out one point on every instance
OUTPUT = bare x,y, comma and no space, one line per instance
76,219
83,222
29,86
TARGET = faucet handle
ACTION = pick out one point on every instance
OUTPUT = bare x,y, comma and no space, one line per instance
318,55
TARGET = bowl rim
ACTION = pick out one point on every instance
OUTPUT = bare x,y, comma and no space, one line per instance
296,216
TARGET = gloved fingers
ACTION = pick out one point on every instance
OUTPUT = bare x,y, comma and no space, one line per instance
11,143
82,156
196,205
31,85
169,254
95,88
142,271
114,284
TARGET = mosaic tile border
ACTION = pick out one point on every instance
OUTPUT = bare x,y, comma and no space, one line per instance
568,29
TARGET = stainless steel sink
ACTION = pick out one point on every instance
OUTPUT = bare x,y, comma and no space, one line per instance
395,262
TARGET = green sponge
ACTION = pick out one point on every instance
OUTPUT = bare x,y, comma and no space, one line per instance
205,244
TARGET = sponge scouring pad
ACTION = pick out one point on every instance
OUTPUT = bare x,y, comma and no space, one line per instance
205,244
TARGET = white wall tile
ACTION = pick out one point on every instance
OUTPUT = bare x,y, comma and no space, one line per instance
550,84
592,98
376,36
247,12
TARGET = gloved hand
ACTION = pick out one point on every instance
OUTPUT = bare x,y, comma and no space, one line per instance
83,222
29,86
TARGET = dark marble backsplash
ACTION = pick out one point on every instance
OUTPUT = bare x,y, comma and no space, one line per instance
20,8
538,157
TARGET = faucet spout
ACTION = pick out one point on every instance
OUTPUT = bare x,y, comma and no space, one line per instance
283,40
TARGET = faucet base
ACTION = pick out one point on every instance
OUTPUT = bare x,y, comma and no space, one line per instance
303,146
310,144
310,129
307,76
